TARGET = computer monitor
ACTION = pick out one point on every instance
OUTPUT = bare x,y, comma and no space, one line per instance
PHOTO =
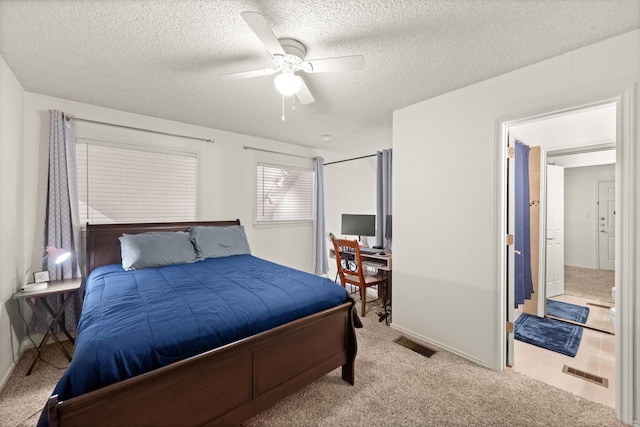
358,225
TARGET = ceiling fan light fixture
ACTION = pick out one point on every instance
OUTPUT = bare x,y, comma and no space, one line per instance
288,84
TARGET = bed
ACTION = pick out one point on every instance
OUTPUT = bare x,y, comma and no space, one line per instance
233,375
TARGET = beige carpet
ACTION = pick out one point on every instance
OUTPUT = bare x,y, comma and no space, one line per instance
394,387
23,397
589,283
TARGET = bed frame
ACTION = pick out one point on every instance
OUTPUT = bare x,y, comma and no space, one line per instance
221,387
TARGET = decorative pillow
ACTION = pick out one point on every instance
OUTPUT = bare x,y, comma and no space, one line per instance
215,242
155,249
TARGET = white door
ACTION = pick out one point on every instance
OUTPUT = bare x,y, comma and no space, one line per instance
554,280
606,225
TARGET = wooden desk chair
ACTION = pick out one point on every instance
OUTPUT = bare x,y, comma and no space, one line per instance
351,272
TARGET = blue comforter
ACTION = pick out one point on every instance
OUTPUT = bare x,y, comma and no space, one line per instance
136,321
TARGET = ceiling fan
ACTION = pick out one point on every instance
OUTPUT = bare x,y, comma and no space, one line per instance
288,58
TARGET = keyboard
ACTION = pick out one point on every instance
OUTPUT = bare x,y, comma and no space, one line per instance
370,251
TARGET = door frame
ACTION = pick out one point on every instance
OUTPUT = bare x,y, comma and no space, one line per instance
627,160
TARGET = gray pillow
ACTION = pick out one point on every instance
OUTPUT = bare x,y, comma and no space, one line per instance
155,249
215,242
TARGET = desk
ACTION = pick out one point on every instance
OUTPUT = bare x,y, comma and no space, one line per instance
56,287
383,263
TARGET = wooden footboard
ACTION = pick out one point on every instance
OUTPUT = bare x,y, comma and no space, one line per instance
225,386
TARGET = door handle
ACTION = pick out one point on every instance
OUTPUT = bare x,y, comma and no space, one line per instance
602,230
551,238
517,252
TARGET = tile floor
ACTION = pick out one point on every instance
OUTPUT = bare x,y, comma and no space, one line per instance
596,355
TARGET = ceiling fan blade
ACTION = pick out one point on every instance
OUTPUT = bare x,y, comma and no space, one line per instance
264,32
250,74
343,63
304,94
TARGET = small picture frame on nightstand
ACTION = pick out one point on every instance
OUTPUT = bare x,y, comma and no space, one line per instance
41,276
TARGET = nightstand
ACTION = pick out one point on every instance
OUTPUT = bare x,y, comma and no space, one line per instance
65,288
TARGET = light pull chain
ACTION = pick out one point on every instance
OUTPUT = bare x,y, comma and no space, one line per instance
293,106
283,119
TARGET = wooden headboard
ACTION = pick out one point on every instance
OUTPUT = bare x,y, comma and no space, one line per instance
103,246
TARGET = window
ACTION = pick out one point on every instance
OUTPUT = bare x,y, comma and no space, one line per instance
284,194
125,183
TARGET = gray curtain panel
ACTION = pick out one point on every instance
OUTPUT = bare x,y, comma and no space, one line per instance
384,199
320,239
62,228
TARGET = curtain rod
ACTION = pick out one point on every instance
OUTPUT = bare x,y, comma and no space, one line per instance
307,157
246,147
348,160
69,118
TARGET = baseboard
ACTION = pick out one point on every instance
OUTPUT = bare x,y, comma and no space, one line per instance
27,343
435,343
581,266
518,311
7,375
12,368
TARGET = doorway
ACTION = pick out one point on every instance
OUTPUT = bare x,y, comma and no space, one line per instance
586,273
570,141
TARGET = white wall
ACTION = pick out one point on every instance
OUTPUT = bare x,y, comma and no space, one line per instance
581,213
447,284
350,187
589,126
227,182
11,213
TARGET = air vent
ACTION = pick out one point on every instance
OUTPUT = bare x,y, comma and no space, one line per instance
420,349
586,376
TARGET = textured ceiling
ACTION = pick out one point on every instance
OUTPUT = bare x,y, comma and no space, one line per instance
164,58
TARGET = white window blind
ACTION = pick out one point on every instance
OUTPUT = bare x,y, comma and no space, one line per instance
284,194
118,183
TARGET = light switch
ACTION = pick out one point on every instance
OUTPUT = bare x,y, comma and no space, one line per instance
588,214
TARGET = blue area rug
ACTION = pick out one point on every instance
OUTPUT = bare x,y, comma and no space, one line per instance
551,334
567,311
